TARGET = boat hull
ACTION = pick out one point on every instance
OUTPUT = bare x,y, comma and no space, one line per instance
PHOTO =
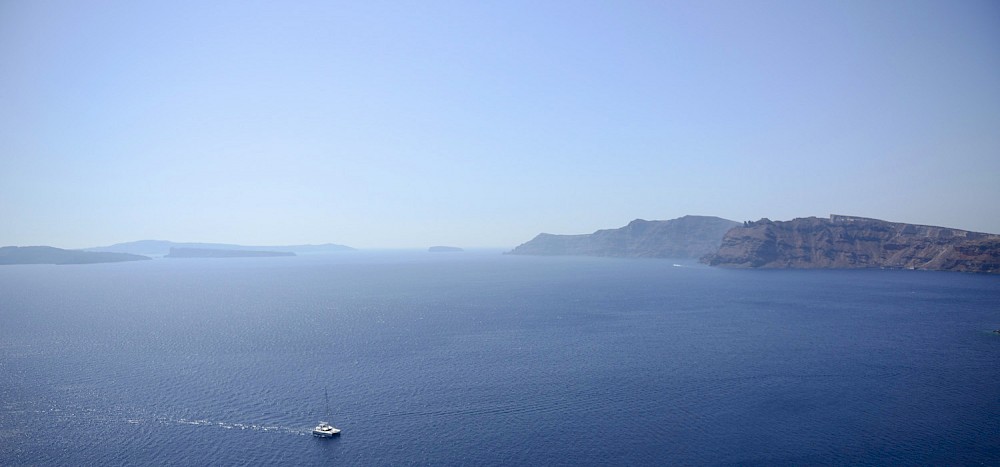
325,430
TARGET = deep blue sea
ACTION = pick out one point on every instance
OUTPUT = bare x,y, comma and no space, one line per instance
478,358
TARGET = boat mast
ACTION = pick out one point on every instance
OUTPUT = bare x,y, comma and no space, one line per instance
326,397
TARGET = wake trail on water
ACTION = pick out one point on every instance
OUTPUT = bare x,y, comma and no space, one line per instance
81,414
228,425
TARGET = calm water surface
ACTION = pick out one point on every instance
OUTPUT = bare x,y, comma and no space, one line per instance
483,359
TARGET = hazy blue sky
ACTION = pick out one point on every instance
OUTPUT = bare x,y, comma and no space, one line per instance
409,124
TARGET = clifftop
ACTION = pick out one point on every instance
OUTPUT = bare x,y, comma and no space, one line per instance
856,242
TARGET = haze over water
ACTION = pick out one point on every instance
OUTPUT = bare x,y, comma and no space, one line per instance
480,124
483,359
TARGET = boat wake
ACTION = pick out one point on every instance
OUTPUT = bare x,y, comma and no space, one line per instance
230,425
78,414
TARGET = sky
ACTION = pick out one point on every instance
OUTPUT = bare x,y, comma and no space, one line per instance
481,124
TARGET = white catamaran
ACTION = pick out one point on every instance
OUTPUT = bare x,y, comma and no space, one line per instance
324,429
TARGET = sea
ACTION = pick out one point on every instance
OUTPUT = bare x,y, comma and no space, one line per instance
479,358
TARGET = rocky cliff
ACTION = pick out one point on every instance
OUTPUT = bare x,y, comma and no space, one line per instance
685,237
856,242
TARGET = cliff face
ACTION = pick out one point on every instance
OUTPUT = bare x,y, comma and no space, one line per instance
685,237
855,242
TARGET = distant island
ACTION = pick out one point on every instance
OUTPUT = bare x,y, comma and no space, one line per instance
803,243
856,242
51,255
222,253
162,247
685,237
444,249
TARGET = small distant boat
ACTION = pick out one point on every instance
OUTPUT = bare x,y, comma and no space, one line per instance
324,429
